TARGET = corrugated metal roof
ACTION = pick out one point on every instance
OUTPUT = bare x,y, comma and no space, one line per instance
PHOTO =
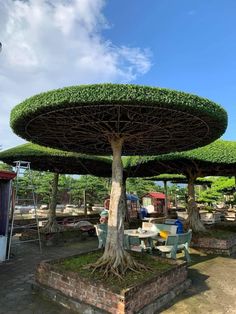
158,195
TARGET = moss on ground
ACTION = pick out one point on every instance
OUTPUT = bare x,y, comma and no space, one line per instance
77,265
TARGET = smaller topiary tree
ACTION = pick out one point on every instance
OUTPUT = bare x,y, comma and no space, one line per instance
215,159
4,166
176,179
58,162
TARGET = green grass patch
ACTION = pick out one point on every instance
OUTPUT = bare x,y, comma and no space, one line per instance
77,264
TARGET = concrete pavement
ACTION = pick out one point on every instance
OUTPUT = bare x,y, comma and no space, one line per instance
213,277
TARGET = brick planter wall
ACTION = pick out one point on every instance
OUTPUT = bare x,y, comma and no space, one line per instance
142,298
215,246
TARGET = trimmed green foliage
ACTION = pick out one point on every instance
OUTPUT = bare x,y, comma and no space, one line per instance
178,178
140,186
5,167
169,177
44,158
212,114
218,152
215,193
217,158
113,93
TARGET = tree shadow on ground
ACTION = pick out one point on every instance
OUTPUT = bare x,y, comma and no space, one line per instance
199,257
198,280
198,286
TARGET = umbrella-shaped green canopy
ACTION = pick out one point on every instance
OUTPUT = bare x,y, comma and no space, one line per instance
151,120
215,159
55,160
176,178
179,179
118,119
58,162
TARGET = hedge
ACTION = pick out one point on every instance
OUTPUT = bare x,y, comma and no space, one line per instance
44,158
217,158
213,116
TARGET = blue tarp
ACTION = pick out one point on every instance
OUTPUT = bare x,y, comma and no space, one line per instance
132,197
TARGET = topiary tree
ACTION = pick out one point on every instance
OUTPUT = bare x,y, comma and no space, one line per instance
175,178
58,162
215,159
118,119
4,166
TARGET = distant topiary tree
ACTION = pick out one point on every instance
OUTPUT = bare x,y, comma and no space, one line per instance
215,159
58,162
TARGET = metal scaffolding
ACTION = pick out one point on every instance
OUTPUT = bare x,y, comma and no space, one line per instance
22,167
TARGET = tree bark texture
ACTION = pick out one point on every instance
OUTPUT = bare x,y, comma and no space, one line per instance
52,225
85,204
116,260
115,235
193,220
166,199
126,213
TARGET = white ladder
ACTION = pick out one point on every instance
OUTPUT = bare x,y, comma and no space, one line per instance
20,168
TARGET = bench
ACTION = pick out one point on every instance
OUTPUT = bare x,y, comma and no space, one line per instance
170,221
172,229
175,243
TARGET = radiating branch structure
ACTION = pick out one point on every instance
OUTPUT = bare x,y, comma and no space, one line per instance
118,119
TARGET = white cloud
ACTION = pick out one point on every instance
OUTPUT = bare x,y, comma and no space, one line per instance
51,44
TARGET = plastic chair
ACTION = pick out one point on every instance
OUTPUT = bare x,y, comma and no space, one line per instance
184,240
101,231
170,247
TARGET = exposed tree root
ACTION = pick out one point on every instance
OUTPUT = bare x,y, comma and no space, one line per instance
51,226
117,265
194,222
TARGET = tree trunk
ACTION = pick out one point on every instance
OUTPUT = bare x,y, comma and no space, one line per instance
52,225
166,199
85,204
126,213
193,220
115,259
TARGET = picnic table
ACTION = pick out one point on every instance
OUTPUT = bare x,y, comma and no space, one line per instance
144,236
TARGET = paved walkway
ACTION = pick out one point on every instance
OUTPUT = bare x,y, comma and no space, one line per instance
213,290
16,296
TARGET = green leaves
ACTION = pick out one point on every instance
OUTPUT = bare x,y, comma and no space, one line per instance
44,158
217,158
140,186
118,94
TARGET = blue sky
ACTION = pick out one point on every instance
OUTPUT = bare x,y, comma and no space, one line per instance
192,45
178,44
